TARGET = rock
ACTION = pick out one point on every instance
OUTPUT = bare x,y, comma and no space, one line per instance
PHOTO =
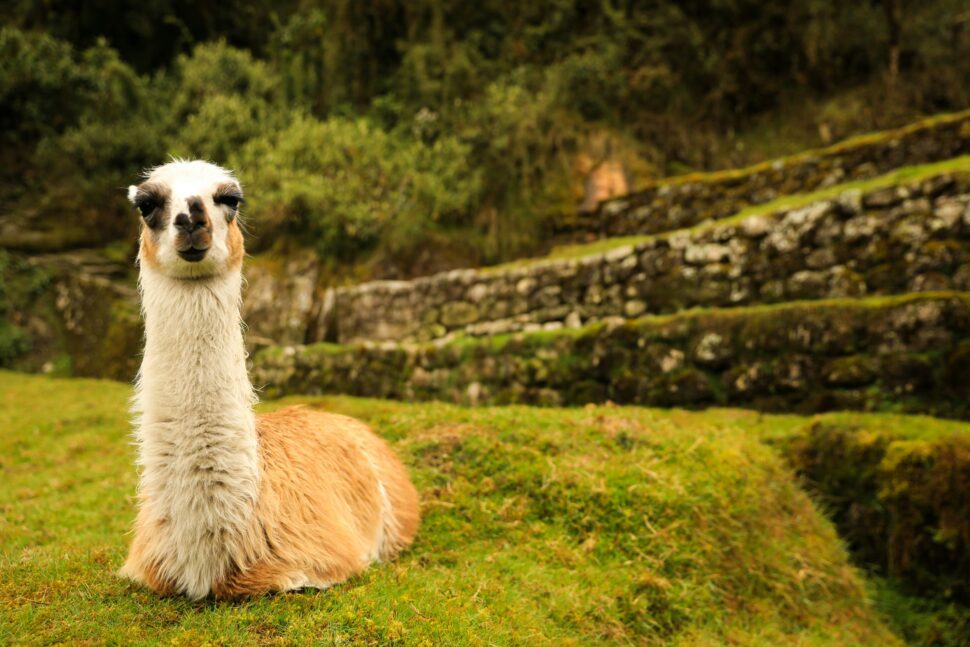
548,296
280,298
475,393
856,370
882,198
634,308
850,201
756,226
951,212
860,228
477,292
713,351
672,361
710,253
821,258
525,286
807,284
459,313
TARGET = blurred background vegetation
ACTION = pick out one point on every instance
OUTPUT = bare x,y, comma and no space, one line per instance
400,138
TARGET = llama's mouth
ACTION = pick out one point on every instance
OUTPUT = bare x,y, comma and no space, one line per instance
192,254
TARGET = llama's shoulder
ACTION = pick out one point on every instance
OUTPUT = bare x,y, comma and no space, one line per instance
303,423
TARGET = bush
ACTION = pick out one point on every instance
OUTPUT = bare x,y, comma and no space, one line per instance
340,184
42,88
220,98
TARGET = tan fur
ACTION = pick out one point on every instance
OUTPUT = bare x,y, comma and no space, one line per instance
146,527
320,507
234,240
148,252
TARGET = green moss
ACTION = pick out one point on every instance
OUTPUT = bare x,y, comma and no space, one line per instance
20,285
920,620
897,499
859,141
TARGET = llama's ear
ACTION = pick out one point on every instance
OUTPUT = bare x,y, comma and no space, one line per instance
132,192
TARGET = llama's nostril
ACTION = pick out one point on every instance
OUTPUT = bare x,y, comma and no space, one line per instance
183,222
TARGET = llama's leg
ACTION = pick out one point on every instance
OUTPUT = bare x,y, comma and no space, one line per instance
267,578
140,566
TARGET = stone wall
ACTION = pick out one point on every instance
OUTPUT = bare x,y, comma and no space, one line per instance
909,353
676,203
82,318
280,298
890,240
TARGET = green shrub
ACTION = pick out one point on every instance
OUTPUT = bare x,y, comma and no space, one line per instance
339,184
220,98
42,87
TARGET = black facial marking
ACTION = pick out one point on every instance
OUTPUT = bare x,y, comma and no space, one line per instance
150,200
230,196
149,206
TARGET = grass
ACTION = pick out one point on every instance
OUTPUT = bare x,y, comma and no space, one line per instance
581,526
605,245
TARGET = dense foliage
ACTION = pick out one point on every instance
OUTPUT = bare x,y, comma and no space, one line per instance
435,133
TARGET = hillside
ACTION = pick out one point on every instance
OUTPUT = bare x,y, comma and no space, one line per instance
583,526
666,307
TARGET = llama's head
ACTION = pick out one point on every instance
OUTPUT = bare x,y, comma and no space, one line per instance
189,213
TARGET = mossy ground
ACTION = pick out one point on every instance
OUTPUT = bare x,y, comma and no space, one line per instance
564,526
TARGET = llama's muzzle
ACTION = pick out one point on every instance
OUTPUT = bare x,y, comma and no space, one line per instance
194,232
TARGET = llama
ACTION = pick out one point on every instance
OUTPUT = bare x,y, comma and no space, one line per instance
230,503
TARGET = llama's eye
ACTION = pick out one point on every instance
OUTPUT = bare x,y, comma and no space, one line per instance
230,200
146,207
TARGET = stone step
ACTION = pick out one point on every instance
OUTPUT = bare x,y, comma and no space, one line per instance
674,203
888,240
903,353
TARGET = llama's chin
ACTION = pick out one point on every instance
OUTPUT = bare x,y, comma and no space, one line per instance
208,266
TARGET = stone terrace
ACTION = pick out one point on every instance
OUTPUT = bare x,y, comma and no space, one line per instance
891,240
911,352
673,203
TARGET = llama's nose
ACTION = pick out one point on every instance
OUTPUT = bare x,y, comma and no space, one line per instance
188,224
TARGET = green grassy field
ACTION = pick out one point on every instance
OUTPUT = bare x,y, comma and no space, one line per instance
541,526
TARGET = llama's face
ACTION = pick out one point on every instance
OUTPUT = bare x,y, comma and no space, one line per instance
189,213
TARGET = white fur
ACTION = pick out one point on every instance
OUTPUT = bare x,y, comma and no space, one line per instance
195,426
196,430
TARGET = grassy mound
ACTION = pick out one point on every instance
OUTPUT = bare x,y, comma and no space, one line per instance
540,526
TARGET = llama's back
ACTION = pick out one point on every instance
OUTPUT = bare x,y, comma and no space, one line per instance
334,497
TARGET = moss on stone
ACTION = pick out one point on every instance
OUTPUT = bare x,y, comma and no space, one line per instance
899,501
807,357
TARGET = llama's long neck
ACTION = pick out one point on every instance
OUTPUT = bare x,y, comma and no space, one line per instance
196,427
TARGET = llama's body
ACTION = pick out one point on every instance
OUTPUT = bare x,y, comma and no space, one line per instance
232,503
